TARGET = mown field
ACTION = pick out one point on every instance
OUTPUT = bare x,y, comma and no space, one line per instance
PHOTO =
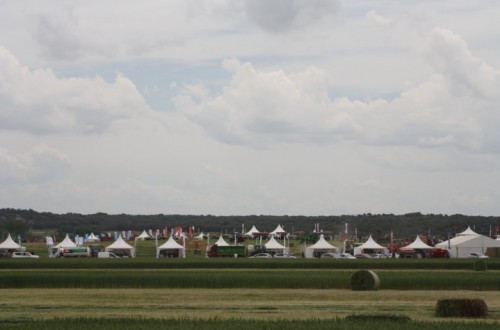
242,293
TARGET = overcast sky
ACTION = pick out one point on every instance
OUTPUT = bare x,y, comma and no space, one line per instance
239,107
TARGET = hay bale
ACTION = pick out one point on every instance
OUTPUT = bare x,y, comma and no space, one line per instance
364,280
461,308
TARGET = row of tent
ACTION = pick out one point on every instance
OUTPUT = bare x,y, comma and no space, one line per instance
124,248
460,246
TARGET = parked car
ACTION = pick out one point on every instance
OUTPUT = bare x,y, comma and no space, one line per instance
283,256
363,256
329,255
261,255
478,255
346,256
24,255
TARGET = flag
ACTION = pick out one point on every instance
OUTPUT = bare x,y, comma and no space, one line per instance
178,232
165,231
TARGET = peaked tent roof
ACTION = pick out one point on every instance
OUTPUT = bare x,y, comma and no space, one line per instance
470,241
418,244
66,243
370,244
251,232
9,244
221,242
322,244
200,236
92,238
278,230
468,232
273,244
170,244
144,234
119,244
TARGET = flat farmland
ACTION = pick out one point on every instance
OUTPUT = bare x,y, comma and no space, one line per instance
248,304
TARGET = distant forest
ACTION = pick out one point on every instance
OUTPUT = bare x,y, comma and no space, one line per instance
30,222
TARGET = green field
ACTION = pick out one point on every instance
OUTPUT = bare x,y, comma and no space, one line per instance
242,293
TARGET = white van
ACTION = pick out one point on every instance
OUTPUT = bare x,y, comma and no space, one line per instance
106,255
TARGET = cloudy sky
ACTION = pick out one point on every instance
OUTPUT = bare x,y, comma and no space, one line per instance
238,107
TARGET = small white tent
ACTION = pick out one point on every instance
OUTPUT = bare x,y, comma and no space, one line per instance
93,238
418,244
9,244
221,242
199,237
251,232
273,244
320,247
66,243
370,245
279,231
121,248
144,235
170,249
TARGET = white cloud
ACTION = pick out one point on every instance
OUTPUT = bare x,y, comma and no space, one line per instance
453,107
39,102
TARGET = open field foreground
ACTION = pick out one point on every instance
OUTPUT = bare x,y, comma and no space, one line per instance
19,306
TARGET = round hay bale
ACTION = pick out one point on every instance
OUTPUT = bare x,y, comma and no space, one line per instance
364,280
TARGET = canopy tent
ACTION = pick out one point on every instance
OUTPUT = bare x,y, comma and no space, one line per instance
144,235
418,244
221,242
200,236
273,244
121,248
468,232
370,244
320,247
462,246
93,238
278,231
251,232
9,244
66,243
170,249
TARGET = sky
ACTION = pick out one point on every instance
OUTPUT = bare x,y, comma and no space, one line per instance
250,107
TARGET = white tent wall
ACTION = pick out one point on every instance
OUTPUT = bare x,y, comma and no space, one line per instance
169,248
320,247
462,246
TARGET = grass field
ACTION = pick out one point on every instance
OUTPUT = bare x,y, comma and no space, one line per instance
146,293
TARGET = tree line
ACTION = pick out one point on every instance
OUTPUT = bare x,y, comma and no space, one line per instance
23,222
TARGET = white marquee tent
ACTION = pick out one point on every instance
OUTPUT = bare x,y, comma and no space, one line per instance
9,244
320,247
279,231
120,247
66,243
418,244
171,249
468,232
273,244
93,238
199,237
144,235
370,244
221,242
462,246
251,232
